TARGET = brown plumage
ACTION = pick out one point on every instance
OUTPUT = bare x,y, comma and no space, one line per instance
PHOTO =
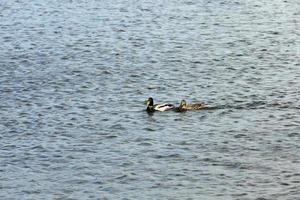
195,106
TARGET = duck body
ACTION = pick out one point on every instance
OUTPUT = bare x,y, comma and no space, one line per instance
158,107
195,106
180,109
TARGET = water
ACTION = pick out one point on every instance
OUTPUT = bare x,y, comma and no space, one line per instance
75,74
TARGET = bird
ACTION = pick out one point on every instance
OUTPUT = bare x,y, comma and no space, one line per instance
181,107
184,106
151,107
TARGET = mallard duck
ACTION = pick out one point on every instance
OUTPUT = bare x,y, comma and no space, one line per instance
195,106
151,107
181,107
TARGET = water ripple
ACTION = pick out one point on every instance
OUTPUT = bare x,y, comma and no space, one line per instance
73,82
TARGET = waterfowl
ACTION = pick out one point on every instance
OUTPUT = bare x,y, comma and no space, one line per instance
181,107
195,106
151,107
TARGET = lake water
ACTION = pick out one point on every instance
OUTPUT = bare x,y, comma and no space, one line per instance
74,76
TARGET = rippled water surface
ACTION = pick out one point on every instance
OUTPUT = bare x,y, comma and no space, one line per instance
74,76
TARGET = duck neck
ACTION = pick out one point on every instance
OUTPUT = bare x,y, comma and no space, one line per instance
150,108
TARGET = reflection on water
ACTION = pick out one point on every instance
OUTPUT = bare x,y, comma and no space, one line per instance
75,74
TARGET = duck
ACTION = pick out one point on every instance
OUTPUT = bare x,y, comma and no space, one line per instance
184,106
181,107
151,107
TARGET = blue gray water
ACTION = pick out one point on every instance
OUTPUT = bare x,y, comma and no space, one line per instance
74,76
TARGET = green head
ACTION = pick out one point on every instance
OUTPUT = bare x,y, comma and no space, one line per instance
150,101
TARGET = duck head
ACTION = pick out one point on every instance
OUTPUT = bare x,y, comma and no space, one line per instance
150,102
182,104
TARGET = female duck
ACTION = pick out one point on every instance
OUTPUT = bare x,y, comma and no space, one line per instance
151,107
195,106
